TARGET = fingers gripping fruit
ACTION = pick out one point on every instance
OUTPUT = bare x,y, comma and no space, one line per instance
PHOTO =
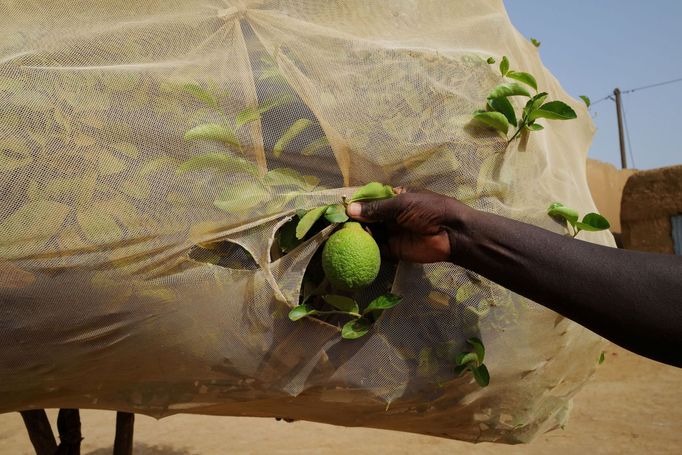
351,258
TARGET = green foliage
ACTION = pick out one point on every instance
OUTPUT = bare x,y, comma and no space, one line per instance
290,134
495,119
535,42
473,361
383,302
509,89
490,60
336,213
213,132
201,94
301,311
308,220
504,65
586,100
591,222
220,162
355,328
372,191
526,78
602,357
500,113
498,105
342,303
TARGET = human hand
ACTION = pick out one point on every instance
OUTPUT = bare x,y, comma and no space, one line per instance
416,224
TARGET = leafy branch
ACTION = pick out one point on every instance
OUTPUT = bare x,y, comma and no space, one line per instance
361,321
226,130
592,222
500,113
473,361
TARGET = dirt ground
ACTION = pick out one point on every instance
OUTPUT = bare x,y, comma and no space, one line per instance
632,406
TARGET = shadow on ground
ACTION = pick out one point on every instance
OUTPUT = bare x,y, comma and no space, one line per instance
145,449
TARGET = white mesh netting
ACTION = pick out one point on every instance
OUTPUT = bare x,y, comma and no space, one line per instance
103,200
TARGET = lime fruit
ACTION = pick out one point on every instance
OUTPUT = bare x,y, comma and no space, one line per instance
351,258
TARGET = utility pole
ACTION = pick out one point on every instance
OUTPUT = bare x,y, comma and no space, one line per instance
619,111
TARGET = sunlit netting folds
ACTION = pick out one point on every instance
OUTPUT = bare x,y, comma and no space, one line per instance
136,243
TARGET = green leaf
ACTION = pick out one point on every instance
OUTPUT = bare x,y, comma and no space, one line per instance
34,223
286,236
593,222
465,358
98,226
479,349
336,213
342,303
602,357
217,161
201,94
315,146
504,65
460,369
535,42
127,149
481,375
213,132
372,191
301,311
246,116
495,119
559,210
308,220
586,100
509,89
355,328
285,176
503,106
254,113
554,110
490,60
242,196
526,78
108,164
534,103
383,302
289,135
534,127
14,153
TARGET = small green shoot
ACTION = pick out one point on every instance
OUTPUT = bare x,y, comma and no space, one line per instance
586,100
500,113
591,222
360,322
535,42
490,61
602,357
473,361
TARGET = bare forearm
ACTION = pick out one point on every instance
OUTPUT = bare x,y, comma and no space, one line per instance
631,298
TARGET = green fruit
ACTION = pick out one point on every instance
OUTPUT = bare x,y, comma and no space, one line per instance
351,258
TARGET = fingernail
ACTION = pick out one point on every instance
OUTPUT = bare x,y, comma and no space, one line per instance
354,209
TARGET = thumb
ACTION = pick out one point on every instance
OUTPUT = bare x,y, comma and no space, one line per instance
374,211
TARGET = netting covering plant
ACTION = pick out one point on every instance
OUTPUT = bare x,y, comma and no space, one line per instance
157,160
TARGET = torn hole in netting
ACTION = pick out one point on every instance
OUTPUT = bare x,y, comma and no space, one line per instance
224,254
330,304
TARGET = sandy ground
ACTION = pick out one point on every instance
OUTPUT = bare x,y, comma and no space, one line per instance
632,406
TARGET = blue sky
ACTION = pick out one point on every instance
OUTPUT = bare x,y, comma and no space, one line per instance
594,46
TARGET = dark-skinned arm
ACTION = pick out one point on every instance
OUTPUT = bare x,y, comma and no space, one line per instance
631,298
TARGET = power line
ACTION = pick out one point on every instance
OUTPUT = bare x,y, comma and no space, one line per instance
658,84
627,134
644,87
